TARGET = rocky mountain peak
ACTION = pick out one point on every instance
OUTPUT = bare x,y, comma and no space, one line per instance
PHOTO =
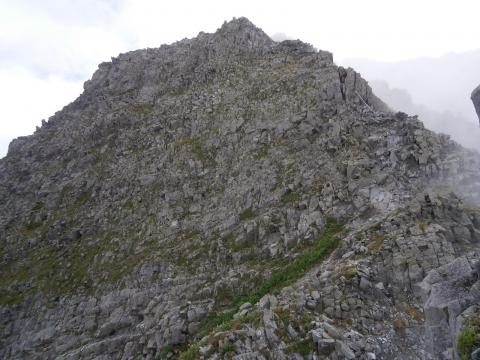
230,196
241,32
242,27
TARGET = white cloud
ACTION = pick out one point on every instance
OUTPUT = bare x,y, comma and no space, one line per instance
28,99
44,42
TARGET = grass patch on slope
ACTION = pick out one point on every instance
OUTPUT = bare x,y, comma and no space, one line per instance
291,197
195,146
284,276
246,214
305,261
469,339
57,273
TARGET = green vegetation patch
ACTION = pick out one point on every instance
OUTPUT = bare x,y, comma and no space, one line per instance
166,351
38,206
261,153
10,298
469,339
232,243
178,92
56,272
304,347
129,205
31,227
285,275
291,197
349,272
310,257
247,214
191,353
228,324
83,197
195,146
227,349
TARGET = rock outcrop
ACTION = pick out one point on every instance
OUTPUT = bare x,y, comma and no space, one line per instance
476,100
228,196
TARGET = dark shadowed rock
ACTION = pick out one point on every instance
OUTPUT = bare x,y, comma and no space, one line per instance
476,100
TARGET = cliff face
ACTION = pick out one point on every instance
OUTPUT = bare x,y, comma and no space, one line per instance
232,196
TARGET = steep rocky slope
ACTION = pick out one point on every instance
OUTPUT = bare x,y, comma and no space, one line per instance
232,197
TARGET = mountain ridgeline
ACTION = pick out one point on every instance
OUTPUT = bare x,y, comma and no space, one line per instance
233,197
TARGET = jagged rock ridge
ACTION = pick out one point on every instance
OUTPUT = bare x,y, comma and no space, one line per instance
172,210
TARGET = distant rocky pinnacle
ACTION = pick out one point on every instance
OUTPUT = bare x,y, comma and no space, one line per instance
476,100
232,197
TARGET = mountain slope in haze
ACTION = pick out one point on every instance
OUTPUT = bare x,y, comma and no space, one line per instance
228,196
465,132
441,83
441,86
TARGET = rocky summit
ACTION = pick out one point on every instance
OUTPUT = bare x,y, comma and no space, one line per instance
232,197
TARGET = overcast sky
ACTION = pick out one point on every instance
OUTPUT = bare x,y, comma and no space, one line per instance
48,48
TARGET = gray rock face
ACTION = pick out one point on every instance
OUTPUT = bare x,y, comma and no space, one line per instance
190,201
451,289
476,100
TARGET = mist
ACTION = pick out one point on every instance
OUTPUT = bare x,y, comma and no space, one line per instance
437,89
465,132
